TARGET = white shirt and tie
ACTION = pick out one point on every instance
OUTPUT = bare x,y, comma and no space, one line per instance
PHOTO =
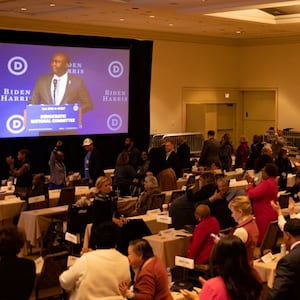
58,88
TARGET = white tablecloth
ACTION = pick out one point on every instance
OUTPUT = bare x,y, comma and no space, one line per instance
11,207
168,248
267,270
36,222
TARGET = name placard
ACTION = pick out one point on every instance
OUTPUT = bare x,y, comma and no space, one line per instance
73,238
164,219
36,199
155,211
168,233
184,262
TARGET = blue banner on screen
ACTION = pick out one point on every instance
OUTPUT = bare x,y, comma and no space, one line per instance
96,82
52,117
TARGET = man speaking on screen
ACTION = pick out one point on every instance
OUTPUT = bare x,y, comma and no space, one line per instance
60,87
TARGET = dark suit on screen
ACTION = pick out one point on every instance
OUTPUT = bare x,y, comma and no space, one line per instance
287,280
75,92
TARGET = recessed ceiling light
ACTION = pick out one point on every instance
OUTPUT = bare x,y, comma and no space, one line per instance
52,4
23,8
152,17
122,20
171,24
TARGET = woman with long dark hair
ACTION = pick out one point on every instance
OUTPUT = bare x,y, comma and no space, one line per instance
232,278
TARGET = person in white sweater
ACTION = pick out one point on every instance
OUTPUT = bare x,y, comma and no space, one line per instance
281,218
97,273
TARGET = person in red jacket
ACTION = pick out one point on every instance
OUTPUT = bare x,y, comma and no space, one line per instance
202,243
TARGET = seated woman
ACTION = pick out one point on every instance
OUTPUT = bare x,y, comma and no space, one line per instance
97,274
246,229
124,174
202,243
232,277
144,200
103,209
151,281
17,274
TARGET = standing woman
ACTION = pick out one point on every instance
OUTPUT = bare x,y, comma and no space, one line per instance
242,153
57,168
21,172
262,195
232,278
151,281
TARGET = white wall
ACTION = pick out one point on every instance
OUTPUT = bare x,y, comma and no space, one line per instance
179,65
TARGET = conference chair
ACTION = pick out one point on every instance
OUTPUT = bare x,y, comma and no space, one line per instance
67,196
270,239
176,194
47,283
157,200
77,219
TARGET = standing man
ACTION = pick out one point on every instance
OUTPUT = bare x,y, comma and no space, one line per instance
57,168
210,151
287,280
60,87
93,166
184,153
172,158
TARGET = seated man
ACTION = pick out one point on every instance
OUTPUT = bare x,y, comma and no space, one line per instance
202,243
97,274
225,192
287,280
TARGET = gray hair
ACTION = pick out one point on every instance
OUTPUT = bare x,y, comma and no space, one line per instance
152,181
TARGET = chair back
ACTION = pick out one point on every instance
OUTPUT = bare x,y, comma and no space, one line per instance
78,218
67,196
47,284
37,202
157,200
191,180
176,194
270,238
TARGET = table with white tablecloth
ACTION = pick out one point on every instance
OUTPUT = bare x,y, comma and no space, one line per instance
168,247
11,207
267,270
35,223
6,191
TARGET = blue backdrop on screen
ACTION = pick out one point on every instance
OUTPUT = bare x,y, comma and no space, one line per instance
106,76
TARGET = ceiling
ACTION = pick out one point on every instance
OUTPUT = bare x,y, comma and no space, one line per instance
243,20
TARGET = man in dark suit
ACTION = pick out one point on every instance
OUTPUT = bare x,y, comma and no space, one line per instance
210,150
172,158
287,280
60,87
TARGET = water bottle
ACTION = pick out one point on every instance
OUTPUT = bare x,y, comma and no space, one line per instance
282,250
169,276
